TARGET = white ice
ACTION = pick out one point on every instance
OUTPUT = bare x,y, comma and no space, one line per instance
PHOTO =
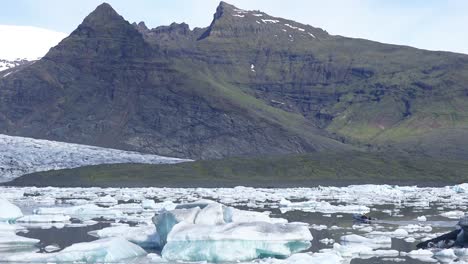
238,241
9,211
143,235
22,155
103,250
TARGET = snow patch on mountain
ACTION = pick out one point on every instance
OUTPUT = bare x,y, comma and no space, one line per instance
25,42
20,155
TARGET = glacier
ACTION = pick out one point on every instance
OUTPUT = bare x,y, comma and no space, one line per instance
22,155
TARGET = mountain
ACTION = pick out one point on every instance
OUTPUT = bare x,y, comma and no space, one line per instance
248,84
292,170
21,156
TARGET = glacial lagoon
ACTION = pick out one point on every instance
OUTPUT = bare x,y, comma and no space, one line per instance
117,223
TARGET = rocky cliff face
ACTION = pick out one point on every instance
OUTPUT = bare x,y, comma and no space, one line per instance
248,84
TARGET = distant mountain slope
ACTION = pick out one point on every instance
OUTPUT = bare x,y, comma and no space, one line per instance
19,156
248,84
293,170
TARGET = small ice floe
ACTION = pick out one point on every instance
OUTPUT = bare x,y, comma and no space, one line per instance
321,207
461,188
195,232
421,218
327,241
11,241
99,251
9,211
420,254
453,214
106,200
51,248
375,242
59,218
82,212
143,235
252,67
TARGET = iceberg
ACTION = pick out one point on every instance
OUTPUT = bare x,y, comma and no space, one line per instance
9,240
321,207
238,241
9,211
82,212
102,250
196,231
165,221
144,236
43,219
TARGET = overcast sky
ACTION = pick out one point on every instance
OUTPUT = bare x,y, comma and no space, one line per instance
428,24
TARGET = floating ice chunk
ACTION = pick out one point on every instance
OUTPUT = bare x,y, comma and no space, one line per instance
445,254
148,204
321,207
51,248
239,241
453,214
106,200
212,214
102,250
145,235
11,241
86,211
307,258
364,240
200,203
240,216
380,253
165,221
252,67
461,188
421,218
9,211
43,219
420,252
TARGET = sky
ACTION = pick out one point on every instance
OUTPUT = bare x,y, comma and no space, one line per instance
427,24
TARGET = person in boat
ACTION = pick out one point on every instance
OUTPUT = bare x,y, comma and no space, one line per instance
456,238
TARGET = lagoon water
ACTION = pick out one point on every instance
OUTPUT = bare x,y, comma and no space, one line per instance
406,215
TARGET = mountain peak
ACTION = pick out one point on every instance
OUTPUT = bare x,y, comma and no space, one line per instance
223,8
103,14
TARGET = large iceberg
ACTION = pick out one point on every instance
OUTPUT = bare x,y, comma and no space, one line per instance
9,211
197,231
235,241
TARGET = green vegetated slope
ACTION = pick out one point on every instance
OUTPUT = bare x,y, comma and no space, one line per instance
310,169
249,84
